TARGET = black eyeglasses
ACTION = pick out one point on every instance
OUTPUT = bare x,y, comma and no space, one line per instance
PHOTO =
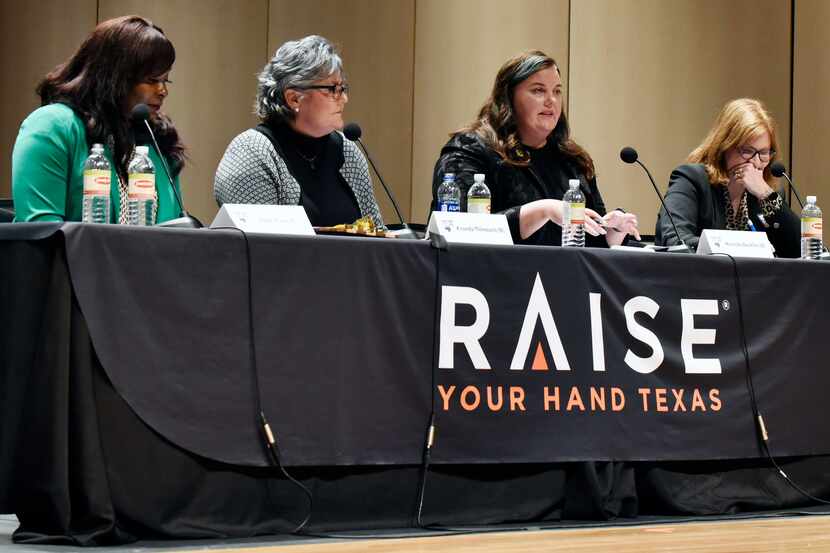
748,152
335,90
155,81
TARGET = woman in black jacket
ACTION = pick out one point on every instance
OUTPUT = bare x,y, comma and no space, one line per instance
521,143
726,183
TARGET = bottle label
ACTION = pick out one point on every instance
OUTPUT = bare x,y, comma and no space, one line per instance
478,205
574,213
449,206
142,186
96,182
811,227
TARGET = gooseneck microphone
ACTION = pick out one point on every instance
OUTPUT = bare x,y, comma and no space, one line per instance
141,114
778,170
629,155
353,132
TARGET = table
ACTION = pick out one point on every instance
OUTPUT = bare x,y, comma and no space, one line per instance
129,393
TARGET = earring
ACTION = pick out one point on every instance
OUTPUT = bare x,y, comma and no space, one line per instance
297,110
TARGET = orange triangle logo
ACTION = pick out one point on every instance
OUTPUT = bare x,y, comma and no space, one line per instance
539,362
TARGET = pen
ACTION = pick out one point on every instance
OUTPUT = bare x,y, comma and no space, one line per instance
750,225
604,225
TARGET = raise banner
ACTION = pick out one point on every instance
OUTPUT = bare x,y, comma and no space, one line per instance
560,355
523,354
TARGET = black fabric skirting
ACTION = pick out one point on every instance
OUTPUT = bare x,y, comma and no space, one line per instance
78,467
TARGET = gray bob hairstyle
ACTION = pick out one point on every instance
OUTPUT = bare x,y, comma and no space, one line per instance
296,64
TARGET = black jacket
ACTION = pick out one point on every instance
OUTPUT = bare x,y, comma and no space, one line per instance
696,205
511,187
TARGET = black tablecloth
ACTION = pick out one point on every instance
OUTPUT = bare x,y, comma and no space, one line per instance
126,406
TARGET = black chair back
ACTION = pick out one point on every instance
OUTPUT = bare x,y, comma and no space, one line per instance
6,210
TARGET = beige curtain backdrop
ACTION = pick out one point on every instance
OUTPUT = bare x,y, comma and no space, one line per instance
646,73
34,37
811,96
654,74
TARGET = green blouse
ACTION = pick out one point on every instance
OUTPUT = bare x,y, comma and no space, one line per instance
48,166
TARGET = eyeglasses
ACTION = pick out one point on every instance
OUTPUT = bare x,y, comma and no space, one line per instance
155,81
334,90
748,152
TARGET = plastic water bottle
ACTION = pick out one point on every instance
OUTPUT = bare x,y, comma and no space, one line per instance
573,216
141,190
478,196
97,175
811,245
449,195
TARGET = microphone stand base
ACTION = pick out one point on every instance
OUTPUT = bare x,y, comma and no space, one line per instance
404,231
188,221
405,234
679,248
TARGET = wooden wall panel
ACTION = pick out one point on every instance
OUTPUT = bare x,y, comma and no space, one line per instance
459,47
220,46
811,91
648,73
34,38
654,74
376,42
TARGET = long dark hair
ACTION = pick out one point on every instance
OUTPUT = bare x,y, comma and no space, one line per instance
496,122
97,80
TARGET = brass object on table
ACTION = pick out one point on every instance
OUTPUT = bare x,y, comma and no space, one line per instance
364,226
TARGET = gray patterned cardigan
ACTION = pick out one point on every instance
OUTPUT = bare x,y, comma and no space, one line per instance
252,172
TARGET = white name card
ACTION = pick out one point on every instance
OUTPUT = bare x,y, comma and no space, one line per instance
470,228
737,243
265,219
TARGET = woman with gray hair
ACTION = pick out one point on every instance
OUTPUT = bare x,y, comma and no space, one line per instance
296,156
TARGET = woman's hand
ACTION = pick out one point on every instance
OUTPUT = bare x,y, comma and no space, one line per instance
534,215
619,225
749,177
593,222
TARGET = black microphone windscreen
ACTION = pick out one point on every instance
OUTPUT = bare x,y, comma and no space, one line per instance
140,113
352,131
777,169
628,154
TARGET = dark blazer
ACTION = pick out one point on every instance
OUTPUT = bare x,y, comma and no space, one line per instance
697,205
510,187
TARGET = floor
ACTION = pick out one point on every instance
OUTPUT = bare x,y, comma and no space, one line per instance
806,532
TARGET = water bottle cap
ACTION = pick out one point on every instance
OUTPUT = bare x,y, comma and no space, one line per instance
573,183
811,199
478,177
97,147
143,150
449,176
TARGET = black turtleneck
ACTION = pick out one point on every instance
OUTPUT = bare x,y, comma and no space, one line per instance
552,169
315,163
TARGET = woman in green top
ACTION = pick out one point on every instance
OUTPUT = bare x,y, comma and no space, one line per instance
86,100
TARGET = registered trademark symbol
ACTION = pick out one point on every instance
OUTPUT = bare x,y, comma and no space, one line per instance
724,305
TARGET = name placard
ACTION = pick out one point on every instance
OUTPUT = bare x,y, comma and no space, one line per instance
470,228
264,219
737,243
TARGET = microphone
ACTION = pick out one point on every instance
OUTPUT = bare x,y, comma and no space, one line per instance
778,170
353,132
629,155
141,114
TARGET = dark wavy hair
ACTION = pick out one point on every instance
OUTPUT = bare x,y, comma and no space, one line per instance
496,122
97,80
